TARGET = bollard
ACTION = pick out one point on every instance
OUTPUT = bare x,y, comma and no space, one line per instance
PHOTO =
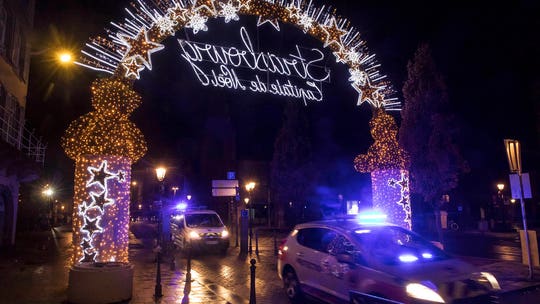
257,242
252,297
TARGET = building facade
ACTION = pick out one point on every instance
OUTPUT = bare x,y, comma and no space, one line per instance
21,151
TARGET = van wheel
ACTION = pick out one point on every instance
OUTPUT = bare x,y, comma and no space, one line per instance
292,286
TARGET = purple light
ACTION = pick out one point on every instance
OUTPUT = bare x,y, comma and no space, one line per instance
181,206
427,255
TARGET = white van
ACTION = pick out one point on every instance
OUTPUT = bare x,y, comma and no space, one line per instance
203,230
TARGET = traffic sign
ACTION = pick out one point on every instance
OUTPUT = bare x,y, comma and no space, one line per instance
224,183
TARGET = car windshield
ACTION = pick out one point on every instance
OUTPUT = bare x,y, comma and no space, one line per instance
395,245
203,220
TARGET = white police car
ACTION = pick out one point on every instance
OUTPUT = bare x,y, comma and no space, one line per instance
345,261
200,230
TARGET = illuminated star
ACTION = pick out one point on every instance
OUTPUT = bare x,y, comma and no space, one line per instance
100,200
140,47
293,10
208,5
85,244
88,257
83,207
341,55
99,175
132,67
177,12
358,77
367,93
120,176
333,33
229,11
268,19
91,225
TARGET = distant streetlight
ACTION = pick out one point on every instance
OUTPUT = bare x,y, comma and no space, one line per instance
174,189
160,175
513,152
249,187
500,187
188,197
48,192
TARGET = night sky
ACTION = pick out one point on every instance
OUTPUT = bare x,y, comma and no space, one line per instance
488,55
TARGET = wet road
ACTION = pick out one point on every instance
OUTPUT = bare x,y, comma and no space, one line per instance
39,273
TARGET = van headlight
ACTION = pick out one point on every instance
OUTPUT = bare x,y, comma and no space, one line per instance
422,292
224,233
194,235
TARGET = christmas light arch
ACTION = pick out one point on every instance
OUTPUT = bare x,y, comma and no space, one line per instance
106,136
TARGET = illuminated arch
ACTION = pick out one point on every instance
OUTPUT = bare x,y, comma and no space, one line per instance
105,139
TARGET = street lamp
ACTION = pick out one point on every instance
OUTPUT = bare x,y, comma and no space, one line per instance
500,187
160,175
174,189
48,193
513,152
249,187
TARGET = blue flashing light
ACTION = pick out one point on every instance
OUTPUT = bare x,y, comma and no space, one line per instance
408,258
371,217
427,255
182,206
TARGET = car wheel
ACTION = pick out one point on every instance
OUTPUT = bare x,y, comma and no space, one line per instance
292,286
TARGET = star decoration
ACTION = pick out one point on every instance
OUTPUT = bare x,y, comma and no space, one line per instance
132,67
197,23
177,12
101,200
333,33
341,55
229,11
140,47
353,56
88,257
244,4
99,175
83,207
293,11
208,5
368,93
268,19
120,176
91,225
85,244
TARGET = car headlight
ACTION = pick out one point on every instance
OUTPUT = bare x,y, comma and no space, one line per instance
224,233
422,292
194,235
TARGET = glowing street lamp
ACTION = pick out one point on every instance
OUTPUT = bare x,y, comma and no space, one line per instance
174,189
65,57
249,187
160,175
48,192
500,187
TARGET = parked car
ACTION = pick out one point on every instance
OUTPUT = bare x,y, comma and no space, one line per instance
200,231
352,261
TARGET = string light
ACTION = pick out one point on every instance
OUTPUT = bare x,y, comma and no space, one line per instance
388,165
139,36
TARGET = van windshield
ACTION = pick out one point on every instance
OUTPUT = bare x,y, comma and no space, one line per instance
203,220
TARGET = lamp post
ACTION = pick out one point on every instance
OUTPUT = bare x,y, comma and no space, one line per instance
48,193
249,187
174,189
513,152
160,175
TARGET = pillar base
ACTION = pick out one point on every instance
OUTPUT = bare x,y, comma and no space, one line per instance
100,283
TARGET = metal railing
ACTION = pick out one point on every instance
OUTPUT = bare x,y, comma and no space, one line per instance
14,133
